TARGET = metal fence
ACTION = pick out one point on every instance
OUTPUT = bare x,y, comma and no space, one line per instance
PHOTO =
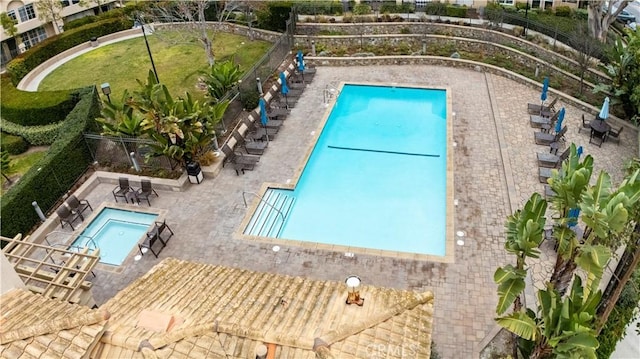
120,152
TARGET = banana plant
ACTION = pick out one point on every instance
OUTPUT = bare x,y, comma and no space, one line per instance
221,78
524,231
120,119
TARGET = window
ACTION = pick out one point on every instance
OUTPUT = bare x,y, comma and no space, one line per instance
12,14
26,13
66,3
32,37
506,2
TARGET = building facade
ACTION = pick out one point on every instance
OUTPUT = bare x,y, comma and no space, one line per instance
32,28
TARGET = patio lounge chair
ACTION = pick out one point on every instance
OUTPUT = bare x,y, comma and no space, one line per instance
546,123
259,133
66,216
547,138
77,205
160,233
586,125
548,192
614,135
146,190
251,147
278,113
552,161
544,174
122,189
536,109
240,162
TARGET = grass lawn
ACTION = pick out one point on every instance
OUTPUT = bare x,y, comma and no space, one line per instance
21,163
178,63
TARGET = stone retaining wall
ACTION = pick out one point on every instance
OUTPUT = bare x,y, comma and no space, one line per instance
307,31
415,42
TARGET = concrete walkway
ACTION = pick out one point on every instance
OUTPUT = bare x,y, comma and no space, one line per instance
495,171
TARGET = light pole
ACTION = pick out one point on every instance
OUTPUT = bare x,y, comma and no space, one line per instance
144,33
106,90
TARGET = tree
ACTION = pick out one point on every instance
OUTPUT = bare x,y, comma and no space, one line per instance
602,15
49,10
190,15
182,129
587,47
5,165
624,70
565,326
8,24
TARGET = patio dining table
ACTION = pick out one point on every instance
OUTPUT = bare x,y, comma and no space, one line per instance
599,127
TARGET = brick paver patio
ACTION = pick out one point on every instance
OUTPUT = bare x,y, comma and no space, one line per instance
495,171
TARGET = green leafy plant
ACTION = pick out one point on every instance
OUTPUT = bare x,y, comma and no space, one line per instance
5,165
221,78
14,145
8,24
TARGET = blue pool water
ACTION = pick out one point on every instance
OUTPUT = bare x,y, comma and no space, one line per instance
377,175
115,232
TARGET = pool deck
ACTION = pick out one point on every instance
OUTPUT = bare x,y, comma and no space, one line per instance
495,172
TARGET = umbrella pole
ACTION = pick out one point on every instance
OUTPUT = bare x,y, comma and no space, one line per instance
286,101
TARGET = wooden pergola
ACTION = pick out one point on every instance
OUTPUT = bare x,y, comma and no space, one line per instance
54,272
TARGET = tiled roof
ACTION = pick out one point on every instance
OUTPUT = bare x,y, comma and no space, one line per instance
33,326
227,312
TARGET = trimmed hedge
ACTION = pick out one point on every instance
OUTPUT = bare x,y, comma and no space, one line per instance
20,66
55,173
14,145
34,108
34,135
624,312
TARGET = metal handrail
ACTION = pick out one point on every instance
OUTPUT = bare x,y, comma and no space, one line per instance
261,200
95,246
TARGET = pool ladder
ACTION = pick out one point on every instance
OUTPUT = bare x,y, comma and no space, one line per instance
328,93
69,247
262,217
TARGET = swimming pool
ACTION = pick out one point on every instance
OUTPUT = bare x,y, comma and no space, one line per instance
378,176
115,232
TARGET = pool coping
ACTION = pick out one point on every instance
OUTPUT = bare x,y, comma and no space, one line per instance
129,259
449,256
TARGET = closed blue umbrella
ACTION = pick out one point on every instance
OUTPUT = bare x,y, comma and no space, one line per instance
284,90
579,151
604,111
263,112
545,89
560,119
300,61
573,217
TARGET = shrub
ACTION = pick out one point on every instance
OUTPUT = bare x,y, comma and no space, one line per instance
54,174
362,9
14,145
518,31
34,108
563,11
456,11
435,8
79,22
405,30
622,315
324,7
25,62
35,135
274,17
249,99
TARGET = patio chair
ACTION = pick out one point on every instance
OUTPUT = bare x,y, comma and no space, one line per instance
145,191
259,133
548,192
160,233
586,125
251,147
614,135
542,138
122,189
240,162
77,205
66,216
544,174
536,109
547,123
597,138
552,161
